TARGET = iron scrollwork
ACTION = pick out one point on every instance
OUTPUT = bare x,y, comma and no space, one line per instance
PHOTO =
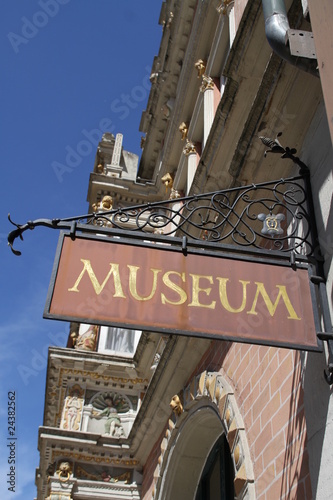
271,216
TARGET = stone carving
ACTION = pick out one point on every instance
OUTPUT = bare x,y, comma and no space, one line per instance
100,168
64,471
142,142
183,128
108,405
72,411
125,477
174,195
200,66
176,405
207,83
213,387
112,475
87,341
189,148
225,7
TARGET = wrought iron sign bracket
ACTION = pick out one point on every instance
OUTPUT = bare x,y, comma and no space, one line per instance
275,217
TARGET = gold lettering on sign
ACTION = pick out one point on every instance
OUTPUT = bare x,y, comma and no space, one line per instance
114,271
133,280
269,304
196,290
170,284
224,297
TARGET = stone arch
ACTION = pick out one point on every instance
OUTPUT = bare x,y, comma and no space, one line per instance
208,404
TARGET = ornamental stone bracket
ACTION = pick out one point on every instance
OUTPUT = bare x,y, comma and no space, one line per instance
209,389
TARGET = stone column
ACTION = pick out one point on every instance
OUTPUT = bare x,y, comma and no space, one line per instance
226,8
207,88
176,206
192,163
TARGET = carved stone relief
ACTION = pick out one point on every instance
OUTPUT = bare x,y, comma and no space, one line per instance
72,410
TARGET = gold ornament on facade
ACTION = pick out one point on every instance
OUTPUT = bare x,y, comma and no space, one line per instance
100,168
64,472
176,405
183,128
225,7
174,195
200,66
189,148
207,83
167,180
142,142
106,203
167,23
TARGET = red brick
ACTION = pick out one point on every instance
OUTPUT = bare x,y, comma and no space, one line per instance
272,408
254,431
273,449
264,437
269,372
275,490
282,417
266,478
261,401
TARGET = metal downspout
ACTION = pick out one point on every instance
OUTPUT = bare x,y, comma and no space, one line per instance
276,29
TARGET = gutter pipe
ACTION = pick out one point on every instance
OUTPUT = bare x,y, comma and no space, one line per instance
276,29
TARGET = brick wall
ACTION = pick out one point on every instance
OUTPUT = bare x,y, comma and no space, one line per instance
268,388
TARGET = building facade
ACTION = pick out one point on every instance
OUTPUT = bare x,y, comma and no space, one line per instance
146,414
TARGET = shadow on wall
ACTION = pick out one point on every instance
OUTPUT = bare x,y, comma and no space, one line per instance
295,459
316,403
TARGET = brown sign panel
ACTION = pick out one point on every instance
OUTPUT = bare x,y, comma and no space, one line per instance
158,288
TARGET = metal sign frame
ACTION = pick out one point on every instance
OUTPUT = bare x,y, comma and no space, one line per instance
184,247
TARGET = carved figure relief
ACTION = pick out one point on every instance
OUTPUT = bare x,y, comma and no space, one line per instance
87,341
109,406
176,405
71,417
110,475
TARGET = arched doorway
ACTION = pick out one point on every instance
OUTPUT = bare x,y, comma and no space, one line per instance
205,454
196,462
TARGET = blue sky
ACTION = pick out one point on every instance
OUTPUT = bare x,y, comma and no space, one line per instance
71,70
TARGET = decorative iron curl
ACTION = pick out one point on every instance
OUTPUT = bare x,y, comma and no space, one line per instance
232,216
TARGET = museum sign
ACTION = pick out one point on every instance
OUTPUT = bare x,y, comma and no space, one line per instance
157,287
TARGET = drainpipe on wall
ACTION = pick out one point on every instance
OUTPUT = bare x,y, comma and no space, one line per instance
277,31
